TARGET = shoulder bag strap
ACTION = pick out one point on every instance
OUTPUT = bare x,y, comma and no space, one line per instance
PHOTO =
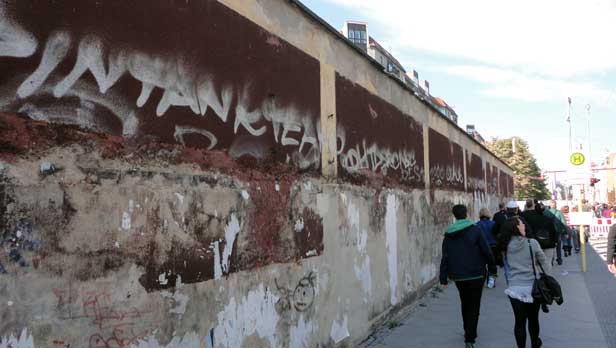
532,258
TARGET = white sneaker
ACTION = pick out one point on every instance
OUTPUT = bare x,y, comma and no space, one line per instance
491,282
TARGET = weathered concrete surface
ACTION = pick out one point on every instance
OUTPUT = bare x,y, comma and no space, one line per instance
196,174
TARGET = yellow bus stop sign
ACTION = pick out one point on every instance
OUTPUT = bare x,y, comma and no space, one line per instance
577,158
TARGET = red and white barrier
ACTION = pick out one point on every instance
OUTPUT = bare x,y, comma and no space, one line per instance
601,227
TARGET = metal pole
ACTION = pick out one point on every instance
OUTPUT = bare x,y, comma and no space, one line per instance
592,193
569,120
582,235
588,133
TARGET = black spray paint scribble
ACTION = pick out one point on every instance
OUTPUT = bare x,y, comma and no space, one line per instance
300,298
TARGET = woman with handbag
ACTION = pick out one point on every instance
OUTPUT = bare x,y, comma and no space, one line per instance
519,255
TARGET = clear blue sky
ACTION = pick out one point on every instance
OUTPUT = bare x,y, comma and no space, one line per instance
506,68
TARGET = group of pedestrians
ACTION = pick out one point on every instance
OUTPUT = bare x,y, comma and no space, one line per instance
520,243
605,211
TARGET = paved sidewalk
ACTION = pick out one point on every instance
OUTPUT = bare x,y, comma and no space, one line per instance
435,321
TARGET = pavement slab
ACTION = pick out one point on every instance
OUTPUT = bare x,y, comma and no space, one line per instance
586,319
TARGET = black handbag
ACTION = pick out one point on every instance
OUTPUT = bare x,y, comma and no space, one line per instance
546,289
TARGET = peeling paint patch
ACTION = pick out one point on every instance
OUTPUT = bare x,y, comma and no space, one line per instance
162,279
126,221
299,225
217,265
339,330
311,237
180,300
231,231
254,313
300,334
24,340
189,340
362,272
180,198
391,230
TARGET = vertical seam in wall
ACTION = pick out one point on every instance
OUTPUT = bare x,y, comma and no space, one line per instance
465,154
426,142
329,158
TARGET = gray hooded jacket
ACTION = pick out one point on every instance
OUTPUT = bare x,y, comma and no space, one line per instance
520,264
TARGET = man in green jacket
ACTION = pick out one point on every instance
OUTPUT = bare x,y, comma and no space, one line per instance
561,228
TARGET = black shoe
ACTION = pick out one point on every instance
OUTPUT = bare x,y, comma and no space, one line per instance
545,308
559,262
537,343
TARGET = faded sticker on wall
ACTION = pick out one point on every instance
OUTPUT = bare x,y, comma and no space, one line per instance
376,137
446,163
190,72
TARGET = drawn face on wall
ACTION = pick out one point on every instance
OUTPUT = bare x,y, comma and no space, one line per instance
303,295
197,74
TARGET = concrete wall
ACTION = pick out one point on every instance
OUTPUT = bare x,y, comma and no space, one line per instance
196,174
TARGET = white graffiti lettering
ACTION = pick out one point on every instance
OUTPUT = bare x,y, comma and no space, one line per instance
448,175
182,85
15,41
180,131
379,160
476,184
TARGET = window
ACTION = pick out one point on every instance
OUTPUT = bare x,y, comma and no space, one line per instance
363,35
351,35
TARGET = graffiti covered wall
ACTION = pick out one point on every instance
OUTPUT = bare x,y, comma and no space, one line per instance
446,163
375,137
162,76
160,178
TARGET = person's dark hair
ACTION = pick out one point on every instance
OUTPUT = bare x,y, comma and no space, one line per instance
529,204
501,206
507,231
459,211
539,207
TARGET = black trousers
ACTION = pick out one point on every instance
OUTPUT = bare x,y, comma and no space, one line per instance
526,312
470,300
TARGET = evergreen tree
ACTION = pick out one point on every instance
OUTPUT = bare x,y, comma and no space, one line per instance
526,171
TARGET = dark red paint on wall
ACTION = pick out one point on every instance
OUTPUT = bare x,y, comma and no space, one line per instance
197,74
446,163
503,184
475,173
374,137
492,176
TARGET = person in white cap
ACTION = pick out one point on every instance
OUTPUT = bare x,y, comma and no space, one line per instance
512,210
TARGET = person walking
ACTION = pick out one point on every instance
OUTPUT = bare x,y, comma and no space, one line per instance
485,225
501,214
611,253
512,210
607,211
465,256
544,232
519,252
560,224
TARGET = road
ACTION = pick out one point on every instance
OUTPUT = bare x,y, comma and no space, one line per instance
586,319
